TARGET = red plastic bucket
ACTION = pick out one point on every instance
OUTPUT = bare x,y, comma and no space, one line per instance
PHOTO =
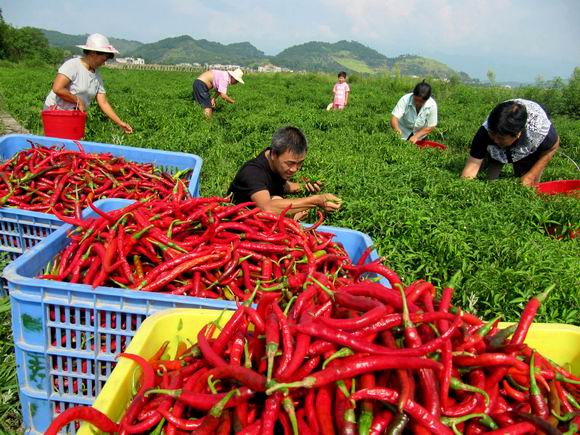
566,187
430,144
66,124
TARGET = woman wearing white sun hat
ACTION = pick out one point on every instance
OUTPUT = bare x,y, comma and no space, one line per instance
77,82
219,81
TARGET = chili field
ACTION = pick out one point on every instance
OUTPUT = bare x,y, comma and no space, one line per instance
425,221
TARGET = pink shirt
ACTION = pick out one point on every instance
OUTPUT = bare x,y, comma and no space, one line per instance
221,81
340,90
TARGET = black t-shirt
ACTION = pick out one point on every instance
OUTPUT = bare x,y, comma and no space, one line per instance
482,140
255,175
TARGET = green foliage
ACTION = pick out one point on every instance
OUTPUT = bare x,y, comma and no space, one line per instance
425,221
558,98
70,42
27,43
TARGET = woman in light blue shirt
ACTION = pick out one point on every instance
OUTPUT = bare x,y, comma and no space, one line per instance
415,115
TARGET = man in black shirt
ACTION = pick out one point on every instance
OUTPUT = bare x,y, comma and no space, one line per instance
517,132
265,180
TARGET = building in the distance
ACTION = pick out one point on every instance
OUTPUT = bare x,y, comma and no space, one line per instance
130,60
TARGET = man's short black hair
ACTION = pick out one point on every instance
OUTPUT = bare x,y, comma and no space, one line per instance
422,90
508,118
342,74
289,139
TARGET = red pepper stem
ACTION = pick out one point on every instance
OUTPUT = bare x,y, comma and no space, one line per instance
217,410
340,353
325,289
307,382
456,384
289,408
407,323
173,393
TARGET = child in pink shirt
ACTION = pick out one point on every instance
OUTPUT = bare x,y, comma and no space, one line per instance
341,91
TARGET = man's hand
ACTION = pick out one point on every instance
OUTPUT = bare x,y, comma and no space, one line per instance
311,185
329,202
413,139
301,215
213,102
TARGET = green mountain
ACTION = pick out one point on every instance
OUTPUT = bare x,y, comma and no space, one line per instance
69,42
186,49
410,65
350,56
322,56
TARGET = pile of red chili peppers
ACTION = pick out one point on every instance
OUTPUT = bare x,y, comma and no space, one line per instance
203,247
58,181
355,358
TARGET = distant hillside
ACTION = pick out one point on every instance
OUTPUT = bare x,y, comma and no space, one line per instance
186,49
350,56
69,42
410,65
323,56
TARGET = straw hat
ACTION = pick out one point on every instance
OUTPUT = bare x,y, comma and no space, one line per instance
237,74
100,43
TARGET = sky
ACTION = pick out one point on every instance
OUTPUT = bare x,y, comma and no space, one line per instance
520,40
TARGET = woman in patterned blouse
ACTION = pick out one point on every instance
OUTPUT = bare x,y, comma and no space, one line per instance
518,132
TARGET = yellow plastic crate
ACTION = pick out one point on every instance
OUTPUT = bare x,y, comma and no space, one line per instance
561,343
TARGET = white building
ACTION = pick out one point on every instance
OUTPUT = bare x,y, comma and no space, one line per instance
269,68
131,60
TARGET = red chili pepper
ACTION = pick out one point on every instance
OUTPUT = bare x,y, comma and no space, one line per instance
207,351
271,413
514,429
416,411
358,365
83,413
272,339
539,406
324,410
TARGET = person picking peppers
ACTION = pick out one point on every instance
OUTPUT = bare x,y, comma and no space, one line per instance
265,180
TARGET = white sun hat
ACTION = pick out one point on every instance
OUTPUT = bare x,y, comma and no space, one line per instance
100,43
237,74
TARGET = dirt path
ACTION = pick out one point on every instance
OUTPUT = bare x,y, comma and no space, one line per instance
10,125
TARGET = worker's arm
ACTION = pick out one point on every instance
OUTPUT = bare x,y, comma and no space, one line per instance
395,124
533,175
225,97
420,134
472,167
264,200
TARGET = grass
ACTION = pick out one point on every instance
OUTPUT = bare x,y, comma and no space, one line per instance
10,416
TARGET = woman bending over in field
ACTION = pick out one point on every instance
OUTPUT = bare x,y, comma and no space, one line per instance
518,132
77,82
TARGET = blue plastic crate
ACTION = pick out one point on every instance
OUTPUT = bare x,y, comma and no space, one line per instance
66,335
21,230
170,162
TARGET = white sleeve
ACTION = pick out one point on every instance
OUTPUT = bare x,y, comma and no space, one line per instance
399,109
432,120
69,69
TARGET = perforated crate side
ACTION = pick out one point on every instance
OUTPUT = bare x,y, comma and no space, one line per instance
19,231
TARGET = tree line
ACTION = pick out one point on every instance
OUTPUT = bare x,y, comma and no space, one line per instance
27,43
